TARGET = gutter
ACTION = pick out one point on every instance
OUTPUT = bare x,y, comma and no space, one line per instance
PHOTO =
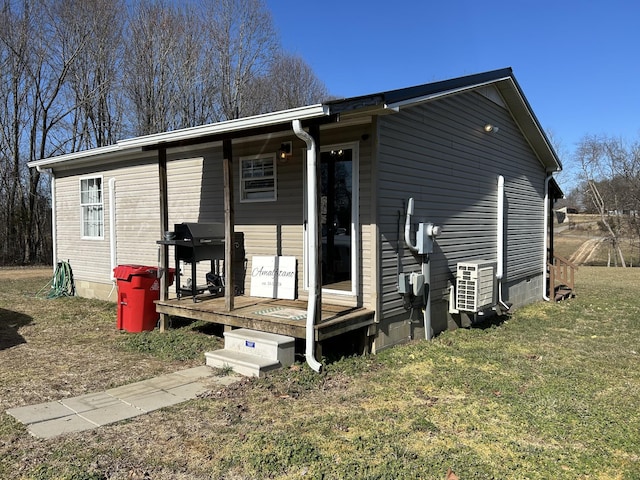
122,147
312,234
54,232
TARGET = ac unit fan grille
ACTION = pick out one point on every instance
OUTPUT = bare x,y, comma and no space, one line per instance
475,285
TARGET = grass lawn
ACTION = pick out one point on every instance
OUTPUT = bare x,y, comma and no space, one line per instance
550,392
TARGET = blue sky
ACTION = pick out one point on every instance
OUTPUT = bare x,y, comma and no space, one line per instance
576,61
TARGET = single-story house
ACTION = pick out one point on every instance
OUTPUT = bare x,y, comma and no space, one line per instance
392,215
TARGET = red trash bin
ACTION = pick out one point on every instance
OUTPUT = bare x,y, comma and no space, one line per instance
138,288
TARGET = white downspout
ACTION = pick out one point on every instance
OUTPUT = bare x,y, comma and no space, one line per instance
500,229
545,235
112,231
500,241
312,235
54,230
112,224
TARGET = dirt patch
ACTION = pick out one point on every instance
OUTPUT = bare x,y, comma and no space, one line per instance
586,251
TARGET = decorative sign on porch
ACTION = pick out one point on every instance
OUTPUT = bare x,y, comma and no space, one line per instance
273,277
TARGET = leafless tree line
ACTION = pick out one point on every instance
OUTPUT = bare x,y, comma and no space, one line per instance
610,187
77,74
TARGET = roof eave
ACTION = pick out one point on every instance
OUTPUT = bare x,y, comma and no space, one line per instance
124,147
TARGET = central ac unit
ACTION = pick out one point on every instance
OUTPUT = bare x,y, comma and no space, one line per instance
475,285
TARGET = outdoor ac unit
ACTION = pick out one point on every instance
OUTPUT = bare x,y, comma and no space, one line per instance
475,285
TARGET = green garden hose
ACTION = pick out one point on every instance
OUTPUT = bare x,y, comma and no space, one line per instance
62,284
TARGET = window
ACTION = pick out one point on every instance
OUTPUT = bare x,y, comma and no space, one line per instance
258,178
91,208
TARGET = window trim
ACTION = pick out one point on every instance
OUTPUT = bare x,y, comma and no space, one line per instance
83,235
243,191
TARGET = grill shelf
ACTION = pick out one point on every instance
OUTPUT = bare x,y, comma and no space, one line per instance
196,242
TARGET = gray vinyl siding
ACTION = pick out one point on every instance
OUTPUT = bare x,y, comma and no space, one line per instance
438,154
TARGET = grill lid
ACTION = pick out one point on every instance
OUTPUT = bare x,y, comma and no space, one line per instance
200,233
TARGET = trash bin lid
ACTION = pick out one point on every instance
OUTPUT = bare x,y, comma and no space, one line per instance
125,272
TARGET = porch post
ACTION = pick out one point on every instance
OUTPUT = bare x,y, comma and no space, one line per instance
550,220
164,226
229,237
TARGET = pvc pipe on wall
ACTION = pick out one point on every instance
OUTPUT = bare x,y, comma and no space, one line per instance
112,225
500,229
500,238
312,235
426,271
407,227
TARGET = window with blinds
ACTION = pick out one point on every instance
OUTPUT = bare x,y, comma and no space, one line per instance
91,208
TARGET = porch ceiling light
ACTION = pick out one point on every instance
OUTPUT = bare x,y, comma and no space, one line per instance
490,128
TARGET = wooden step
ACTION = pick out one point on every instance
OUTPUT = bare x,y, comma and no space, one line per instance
563,293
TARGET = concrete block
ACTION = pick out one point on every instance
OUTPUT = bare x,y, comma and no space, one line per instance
261,344
133,390
188,391
111,414
40,412
170,380
58,426
91,401
154,400
242,363
196,372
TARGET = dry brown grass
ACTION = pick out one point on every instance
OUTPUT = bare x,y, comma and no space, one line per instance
550,393
61,347
24,272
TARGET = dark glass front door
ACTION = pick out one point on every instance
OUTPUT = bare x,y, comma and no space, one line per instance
336,183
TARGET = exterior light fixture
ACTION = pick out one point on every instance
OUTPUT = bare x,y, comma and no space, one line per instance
285,151
490,128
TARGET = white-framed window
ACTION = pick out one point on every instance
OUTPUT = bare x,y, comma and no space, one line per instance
91,208
258,178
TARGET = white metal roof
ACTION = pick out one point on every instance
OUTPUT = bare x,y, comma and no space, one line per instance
229,126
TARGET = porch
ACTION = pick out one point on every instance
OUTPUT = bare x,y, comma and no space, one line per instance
284,317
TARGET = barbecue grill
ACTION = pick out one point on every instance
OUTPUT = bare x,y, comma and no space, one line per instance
196,242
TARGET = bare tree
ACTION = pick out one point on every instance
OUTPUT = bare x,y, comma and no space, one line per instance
14,39
289,83
196,91
611,176
244,43
94,28
153,30
38,58
77,74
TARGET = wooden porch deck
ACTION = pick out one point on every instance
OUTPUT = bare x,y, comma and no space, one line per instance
284,317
